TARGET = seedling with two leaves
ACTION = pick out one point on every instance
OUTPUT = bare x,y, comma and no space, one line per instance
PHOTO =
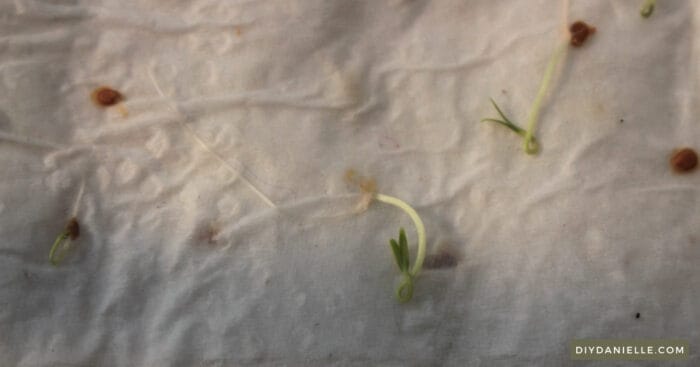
531,147
404,292
403,259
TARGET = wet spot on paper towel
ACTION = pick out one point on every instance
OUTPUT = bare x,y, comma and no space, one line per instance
151,188
387,142
209,233
4,121
104,178
126,172
308,340
300,300
210,42
443,259
366,184
162,70
692,238
251,348
58,180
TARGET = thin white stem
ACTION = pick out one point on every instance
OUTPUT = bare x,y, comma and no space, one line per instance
534,114
206,147
530,145
74,212
565,18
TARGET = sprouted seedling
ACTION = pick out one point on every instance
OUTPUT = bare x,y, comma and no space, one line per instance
63,241
404,292
505,121
403,260
647,8
530,145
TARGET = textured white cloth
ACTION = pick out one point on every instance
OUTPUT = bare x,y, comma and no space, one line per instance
217,229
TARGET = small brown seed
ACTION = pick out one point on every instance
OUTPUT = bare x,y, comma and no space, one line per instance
72,228
106,96
580,32
684,160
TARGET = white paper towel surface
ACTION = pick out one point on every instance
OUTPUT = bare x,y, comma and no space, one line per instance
217,229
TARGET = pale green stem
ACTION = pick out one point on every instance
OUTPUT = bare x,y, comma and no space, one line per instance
404,292
420,229
530,145
56,247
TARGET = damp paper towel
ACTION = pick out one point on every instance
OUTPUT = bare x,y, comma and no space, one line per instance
216,228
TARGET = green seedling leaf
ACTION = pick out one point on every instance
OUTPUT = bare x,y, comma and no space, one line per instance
531,145
516,129
396,249
400,250
505,121
403,244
